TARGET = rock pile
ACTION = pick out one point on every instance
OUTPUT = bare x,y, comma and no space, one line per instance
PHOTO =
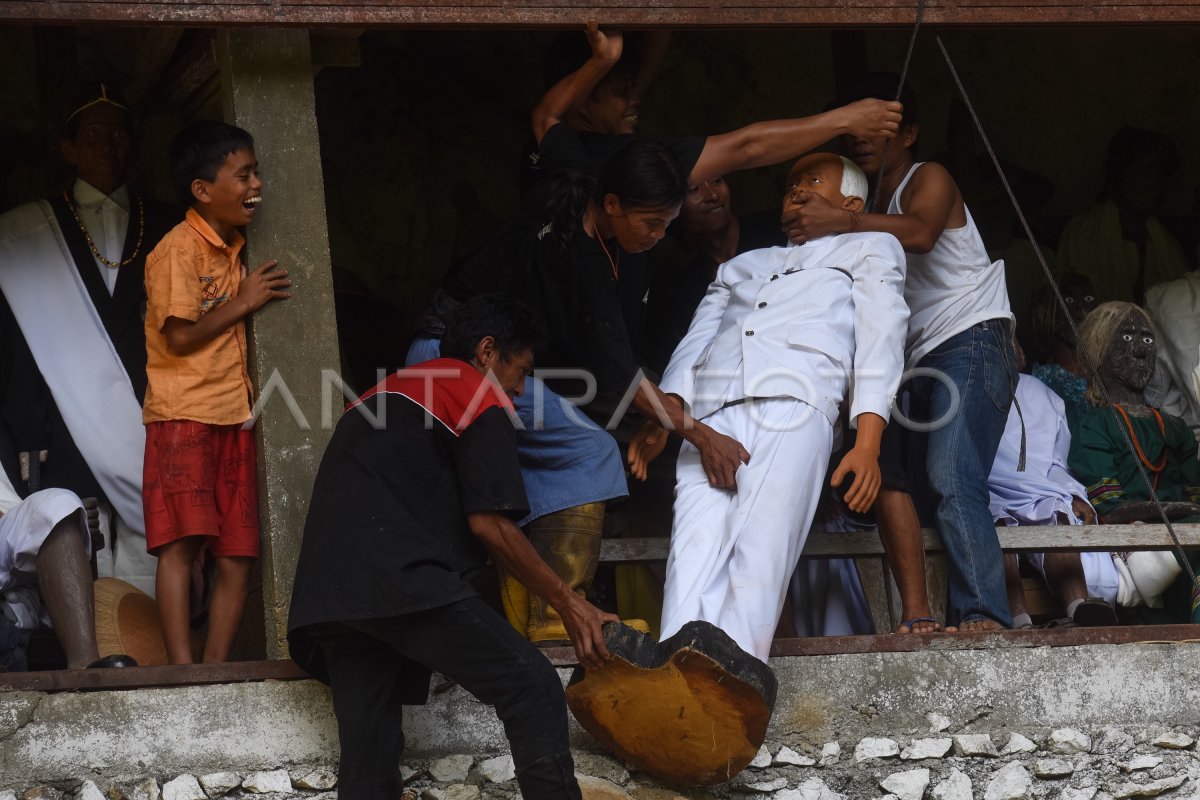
1061,764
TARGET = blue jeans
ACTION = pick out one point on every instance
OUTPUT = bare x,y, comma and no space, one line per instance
980,364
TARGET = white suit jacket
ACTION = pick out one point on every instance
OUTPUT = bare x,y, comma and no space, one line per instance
809,322
1045,487
1175,308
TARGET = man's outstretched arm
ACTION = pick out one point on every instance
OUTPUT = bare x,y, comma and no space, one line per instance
762,144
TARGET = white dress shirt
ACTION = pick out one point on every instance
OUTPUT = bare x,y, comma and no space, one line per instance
106,217
808,322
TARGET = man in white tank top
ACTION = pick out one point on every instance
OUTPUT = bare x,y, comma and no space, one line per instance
961,364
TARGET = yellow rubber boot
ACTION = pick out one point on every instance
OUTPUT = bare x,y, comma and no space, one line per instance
569,542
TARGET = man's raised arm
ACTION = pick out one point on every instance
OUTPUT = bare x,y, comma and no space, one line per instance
762,144
564,97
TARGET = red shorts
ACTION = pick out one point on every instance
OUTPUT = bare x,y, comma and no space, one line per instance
201,480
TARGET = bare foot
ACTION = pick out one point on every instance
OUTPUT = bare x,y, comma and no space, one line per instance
977,626
920,623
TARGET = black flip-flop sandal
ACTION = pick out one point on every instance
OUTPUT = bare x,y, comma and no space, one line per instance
1094,613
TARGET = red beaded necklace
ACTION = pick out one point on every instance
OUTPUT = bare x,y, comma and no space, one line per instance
1155,469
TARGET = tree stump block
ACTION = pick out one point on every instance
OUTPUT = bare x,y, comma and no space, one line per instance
692,710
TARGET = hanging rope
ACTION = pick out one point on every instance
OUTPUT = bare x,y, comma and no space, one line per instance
912,44
1092,369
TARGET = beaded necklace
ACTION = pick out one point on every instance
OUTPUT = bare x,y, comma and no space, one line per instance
614,263
1155,469
92,245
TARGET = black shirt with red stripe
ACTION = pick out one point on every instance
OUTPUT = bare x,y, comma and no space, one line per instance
387,531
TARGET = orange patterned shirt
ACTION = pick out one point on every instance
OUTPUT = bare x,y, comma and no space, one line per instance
189,273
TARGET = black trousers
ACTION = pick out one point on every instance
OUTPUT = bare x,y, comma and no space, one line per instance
470,643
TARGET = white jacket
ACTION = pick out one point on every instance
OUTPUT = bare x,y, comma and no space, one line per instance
809,322
1175,308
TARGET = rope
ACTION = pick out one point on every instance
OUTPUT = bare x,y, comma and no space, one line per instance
1093,370
873,207
912,44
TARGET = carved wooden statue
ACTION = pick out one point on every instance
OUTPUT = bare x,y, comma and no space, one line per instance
1120,339
692,710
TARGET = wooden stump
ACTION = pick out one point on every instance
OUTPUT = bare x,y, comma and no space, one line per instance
692,710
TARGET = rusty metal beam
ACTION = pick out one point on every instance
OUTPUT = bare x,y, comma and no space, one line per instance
64,680
563,13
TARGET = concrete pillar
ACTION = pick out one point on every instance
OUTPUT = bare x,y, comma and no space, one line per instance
267,87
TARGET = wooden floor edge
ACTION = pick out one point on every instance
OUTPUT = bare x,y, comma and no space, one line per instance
158,677
64,680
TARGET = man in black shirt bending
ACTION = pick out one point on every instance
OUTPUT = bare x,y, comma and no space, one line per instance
420,484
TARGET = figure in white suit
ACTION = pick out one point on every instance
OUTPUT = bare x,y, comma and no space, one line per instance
780,338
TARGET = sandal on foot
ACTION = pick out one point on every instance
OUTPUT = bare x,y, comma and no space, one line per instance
908,623
1094,613
1064,622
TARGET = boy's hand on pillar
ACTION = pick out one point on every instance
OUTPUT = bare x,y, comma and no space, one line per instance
263,285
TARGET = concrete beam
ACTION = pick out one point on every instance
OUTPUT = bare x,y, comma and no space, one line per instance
1146,687
46,737
266,79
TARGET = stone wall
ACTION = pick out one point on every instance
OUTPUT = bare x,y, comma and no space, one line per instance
1066,763
1072,722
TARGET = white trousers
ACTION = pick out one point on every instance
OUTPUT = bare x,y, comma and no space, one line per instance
1099,572
22,531
124,555
733,553
827,596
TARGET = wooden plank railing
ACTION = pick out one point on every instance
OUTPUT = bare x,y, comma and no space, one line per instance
866,549
1032,539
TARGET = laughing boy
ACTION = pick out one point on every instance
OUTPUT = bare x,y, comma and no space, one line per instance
200,483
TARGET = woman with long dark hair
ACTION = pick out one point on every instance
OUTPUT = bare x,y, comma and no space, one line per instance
564,258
